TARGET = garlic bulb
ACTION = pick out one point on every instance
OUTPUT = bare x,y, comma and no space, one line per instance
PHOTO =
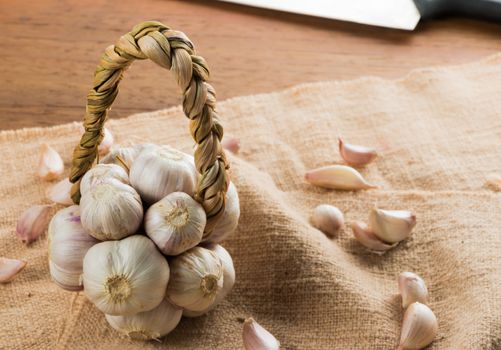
229,221
51,164
256,337
338,177
111,210
175,223
419,327
60,192
365,236
125,277
123,157
356,155
391,226
68,244
196,278
147,325
412,288
9,268
33,222
158,171
106,143
328,219
101,173
228,279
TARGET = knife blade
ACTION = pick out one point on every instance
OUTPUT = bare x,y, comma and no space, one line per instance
398,14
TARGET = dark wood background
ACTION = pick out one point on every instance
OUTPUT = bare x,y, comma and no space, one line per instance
50,49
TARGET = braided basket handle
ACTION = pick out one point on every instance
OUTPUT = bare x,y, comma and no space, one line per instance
173,50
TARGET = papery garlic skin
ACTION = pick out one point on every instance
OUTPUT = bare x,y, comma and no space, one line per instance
60,192
68,244
148,325
196,278
256,337
9,268
101,173
33,222
412,288
106,143
419,328
111,210
50,165
365,236
328,219
338,177
176,223
122,156
228,279
356,155
161,170
125,277
229,221
391,226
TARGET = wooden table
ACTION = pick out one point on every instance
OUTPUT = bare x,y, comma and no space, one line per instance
50,49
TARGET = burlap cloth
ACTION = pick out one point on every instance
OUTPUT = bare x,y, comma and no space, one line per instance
439,133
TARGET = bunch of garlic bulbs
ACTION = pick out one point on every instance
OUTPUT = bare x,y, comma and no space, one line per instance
134,244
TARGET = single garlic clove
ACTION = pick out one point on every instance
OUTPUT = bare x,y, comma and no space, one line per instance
123,157
356,155
196,278
111,210
338,177
9,268
412,288
33,222
256,337
419,327
176,223
161,170
50,164
228,279
229,221
328,219
68,244
148,325
106,143
125,277
60,192
102,173
391,226
231,144
368,239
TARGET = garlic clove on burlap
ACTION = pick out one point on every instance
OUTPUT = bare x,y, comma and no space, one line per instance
111,210
328,219
33,222
125,277
50,165
148,325
176,223
68,244
9,268
231,144
365,236
60,192
256,337
229,221
106,143
356,155
412,288
196,278
338,177
228,279
123,157
419,328
158,171
101,173
391,226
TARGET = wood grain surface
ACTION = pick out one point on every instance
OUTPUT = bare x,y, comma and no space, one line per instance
51,47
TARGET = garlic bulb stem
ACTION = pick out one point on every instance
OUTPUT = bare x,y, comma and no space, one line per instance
338,177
